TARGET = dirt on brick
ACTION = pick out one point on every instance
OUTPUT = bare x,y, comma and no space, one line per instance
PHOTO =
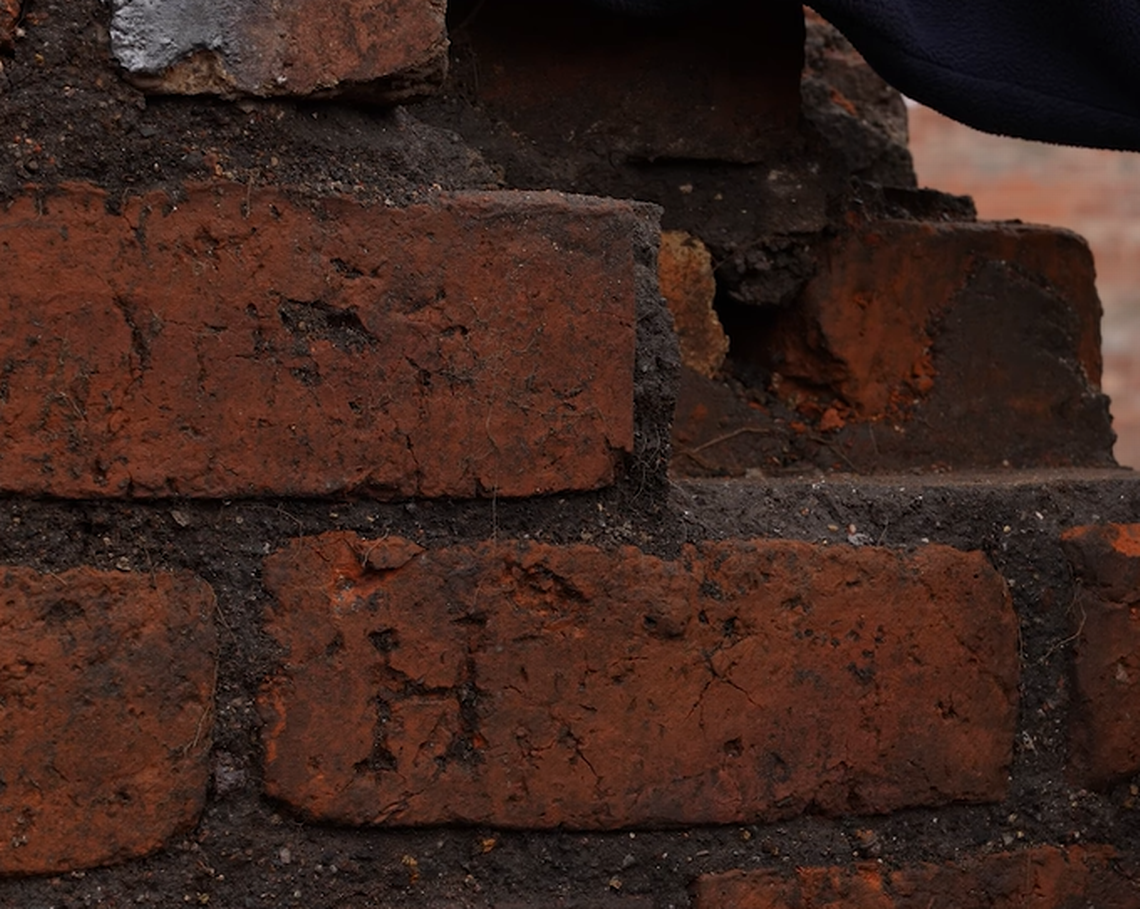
67,116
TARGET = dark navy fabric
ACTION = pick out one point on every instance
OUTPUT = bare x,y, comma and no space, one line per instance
1064,71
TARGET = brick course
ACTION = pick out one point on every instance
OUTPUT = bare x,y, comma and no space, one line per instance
540,686
238,342
1044,877
106,712
1105,721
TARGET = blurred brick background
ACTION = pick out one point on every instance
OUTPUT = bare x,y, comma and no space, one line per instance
1096,193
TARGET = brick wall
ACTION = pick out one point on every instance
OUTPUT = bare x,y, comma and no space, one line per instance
369,537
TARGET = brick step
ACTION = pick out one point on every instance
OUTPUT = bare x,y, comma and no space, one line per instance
867,328
112,382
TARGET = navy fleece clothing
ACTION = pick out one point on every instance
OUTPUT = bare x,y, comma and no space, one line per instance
1065,71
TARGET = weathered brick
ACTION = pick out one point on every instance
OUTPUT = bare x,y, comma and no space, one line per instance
106,713
569,78
1105,721
862,117
877,352
536,686
920,343
1090,190
388,49
1044,877
237,342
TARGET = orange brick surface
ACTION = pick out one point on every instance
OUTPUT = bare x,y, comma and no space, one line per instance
237,342
539,686
106,712
1105,721
1042,878
688,284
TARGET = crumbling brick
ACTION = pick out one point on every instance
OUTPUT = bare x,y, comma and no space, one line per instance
956,345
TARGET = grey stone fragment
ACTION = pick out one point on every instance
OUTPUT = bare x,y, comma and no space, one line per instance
147,36
378,50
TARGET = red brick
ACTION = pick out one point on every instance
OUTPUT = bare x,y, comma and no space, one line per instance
877,352
920,343
1044,877
390,49
883,286
1090,190
1105,722
237,342
531,685
106,712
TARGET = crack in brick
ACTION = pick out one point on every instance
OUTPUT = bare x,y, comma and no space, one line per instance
140,343
524,664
